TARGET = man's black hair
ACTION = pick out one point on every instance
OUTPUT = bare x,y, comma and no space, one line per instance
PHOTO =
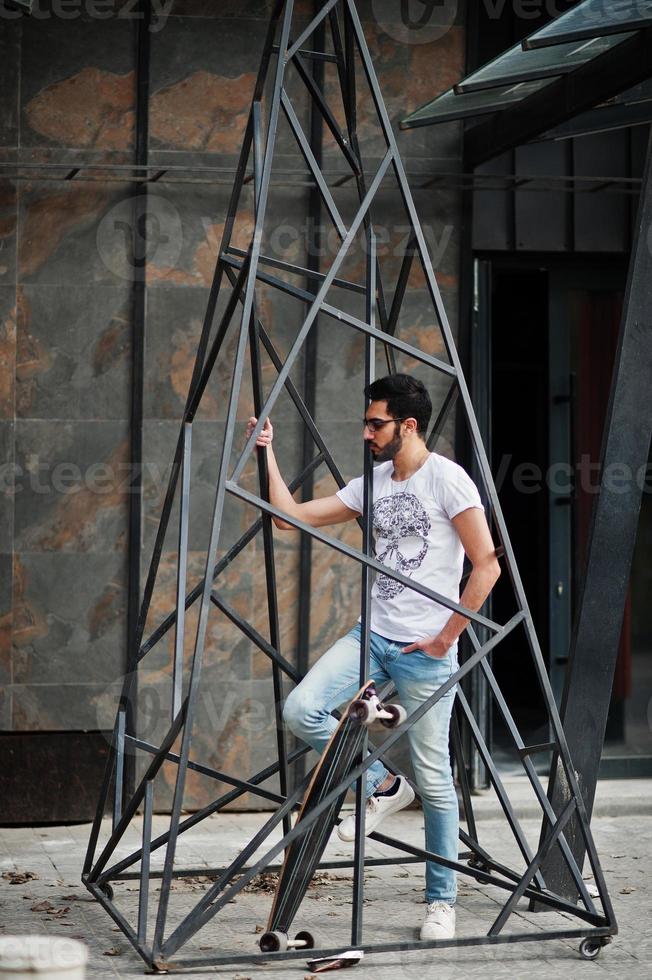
406,397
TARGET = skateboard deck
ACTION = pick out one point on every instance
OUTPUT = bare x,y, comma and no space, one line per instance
304,853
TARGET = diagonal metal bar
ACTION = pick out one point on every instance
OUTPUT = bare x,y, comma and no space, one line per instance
143,895
444,412
205,908
118,918
346,57
182,571
463,779
310,319
533,867
270,565
300,405
299,270
252,634
328,117
139,793
357,904
487,878
230,556
103,797
223,777
119,765
315,169
313,55
258,151
369,948
346,549
532,775
305,34
196,818
501,792
401,285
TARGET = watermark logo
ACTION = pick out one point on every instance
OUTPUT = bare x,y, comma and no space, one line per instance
415,21
69,10
413,964
139,231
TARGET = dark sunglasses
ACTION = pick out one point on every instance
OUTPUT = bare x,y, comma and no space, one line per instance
375,424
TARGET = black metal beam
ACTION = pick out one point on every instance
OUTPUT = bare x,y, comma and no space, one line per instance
139,302
612,537
309,367
602,78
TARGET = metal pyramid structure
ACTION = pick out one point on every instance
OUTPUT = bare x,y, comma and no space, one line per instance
239,335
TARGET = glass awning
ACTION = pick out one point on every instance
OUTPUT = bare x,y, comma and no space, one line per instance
517,65
449,106
630,108
591,30
593,18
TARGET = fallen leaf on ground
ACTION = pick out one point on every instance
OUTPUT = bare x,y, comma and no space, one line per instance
627,890
18,877
113,951
43,906
259,929
58,913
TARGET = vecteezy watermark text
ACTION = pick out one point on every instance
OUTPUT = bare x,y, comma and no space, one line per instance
43,478
93,10
425,21
65,477
148,230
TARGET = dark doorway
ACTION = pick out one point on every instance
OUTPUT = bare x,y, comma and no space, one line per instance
519,317
554,333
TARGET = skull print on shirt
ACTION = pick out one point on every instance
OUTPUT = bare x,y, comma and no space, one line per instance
401,527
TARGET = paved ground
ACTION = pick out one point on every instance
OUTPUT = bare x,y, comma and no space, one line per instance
53,902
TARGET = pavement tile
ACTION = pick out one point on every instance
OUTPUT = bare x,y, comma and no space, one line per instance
393,903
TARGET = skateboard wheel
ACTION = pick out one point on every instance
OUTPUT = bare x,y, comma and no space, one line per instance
359,711
398,713
306,939
273,942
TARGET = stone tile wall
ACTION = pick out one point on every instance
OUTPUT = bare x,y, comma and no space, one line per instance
67,94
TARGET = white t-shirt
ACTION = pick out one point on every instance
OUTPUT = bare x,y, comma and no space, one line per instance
414,535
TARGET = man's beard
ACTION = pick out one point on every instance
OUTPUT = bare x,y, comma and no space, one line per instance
391,449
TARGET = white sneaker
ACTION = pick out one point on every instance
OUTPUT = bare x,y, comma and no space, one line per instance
377,808
439,922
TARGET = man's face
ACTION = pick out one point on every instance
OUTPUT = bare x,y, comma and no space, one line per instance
386,441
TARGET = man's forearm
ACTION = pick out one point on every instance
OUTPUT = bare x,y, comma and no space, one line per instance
480,583
279,495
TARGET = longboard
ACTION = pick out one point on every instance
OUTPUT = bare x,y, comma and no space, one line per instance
304,853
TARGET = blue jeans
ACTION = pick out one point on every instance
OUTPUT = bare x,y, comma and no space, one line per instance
335,679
